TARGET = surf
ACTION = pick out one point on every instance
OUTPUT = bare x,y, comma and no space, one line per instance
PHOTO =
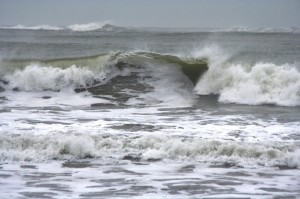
61,146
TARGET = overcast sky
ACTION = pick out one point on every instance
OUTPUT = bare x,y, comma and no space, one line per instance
153,13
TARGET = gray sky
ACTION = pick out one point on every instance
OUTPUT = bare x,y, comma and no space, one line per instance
153,13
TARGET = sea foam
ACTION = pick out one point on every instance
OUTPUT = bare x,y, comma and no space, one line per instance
40,148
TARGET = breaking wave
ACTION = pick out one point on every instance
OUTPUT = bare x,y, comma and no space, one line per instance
61,146
208,69
89,71
92,26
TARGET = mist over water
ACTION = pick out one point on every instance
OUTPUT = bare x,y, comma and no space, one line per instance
147,112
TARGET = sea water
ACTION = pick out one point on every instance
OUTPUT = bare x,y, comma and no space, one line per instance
98,111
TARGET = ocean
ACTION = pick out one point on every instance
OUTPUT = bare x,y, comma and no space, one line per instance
99,111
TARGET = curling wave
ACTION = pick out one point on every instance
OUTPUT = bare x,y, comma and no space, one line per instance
88,71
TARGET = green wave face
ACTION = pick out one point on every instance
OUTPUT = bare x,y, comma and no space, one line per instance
191,67
89,61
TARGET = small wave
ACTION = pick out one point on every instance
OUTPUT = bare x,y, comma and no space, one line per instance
92,26
262,30
61,146
39,27
104,26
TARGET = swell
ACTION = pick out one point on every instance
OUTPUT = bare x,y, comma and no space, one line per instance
62,146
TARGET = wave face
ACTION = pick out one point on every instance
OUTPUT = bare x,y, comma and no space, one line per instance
89,71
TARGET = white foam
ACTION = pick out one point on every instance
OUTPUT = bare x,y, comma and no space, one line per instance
264,83
67,146
154,180
37,76
66,97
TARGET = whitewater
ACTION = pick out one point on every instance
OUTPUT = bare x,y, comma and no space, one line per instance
99,111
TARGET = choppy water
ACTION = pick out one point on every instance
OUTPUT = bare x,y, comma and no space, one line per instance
142,113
